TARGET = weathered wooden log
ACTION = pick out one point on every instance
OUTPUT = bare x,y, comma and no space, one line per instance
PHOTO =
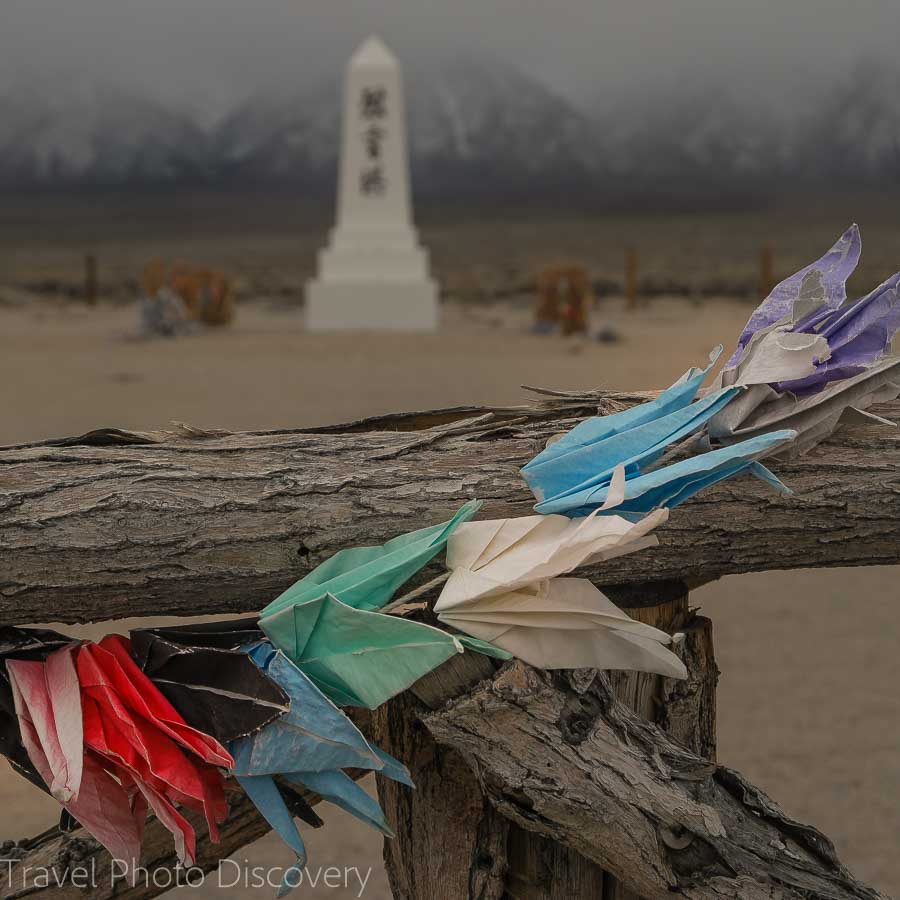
452,841
69,866
124,524
563,758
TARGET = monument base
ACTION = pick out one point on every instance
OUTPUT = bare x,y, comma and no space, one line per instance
371,306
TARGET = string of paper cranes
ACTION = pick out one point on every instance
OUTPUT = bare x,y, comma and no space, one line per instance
172,719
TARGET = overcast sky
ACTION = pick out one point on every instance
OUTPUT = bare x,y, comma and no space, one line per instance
212,52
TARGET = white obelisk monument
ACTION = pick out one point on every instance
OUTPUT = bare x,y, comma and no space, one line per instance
373,274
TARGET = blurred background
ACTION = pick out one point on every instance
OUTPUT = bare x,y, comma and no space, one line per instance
678,158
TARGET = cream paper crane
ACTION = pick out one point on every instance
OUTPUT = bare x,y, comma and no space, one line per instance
503,589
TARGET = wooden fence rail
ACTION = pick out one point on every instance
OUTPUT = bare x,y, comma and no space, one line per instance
121,524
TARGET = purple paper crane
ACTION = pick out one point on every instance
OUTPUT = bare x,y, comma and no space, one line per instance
810,361
812,302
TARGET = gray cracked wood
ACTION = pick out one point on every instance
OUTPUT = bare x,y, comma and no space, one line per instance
126,524
563,758
64,857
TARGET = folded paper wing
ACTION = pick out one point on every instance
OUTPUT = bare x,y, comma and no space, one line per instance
314,735
820,284
497,556
503,589
367,577
858,335
356,657
218,691
566,623
34,644
591,451
47,694
668,486
310,746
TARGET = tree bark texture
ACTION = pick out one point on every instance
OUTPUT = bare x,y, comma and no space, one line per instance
558,755
62,855
116,523
780,858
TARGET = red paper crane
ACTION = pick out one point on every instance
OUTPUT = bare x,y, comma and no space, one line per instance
109,745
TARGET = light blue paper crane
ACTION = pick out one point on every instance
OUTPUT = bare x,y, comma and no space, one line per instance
309,746
575,475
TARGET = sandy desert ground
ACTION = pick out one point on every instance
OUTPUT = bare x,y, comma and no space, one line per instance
808,702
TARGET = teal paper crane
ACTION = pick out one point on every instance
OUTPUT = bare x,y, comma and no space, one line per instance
328,626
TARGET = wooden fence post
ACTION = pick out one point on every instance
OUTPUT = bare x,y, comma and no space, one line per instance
686,710
451,844
631,278
90,279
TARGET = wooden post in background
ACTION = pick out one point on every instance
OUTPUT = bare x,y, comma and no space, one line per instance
631,281
90,279
766,271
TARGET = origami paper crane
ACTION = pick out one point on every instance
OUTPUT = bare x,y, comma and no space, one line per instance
367,577
821,284
309,747
574,475
356,657
810,361
217,690
327,626
109,746
48,704
142,739
22,644
503,588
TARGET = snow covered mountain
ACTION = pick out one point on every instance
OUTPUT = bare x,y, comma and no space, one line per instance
78,133
854,134
472,127
476,129
706,135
